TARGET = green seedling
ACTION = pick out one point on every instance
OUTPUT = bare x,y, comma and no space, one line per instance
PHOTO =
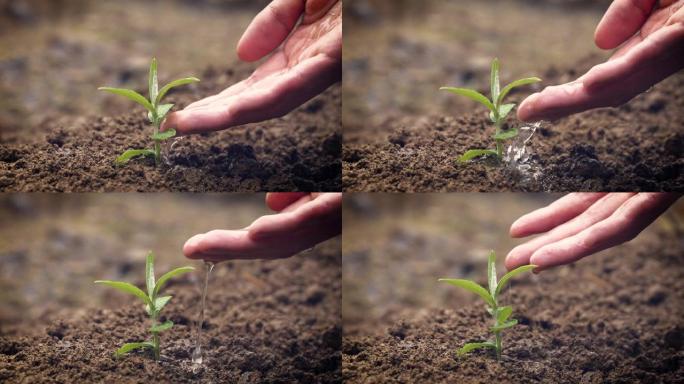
500,314
497,111
153,304
156,112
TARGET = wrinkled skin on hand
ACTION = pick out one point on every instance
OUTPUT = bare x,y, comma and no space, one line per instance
649,37
307,63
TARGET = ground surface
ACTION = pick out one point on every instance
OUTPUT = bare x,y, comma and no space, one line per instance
266,321
401,134
58,133
614,317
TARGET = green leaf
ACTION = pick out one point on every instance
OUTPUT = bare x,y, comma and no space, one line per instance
505,109
472,287
505,325
517,83
504,313
154,85
159,136
149,274
175,83
506,277
126,287
505,135
160,302
162,280
491,272
473,153
162,110
131,94
132,346
471,94
131,153
495,79
473,346
150,117
161,327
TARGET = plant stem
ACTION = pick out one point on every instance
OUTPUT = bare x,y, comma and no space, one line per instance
497,336
499,143
155,338
157,146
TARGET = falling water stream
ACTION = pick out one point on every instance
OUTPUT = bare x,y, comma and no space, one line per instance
197,353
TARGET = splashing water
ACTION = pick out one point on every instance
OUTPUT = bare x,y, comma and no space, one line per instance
197,353
517,155
168,148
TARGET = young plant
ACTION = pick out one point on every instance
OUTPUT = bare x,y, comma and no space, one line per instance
153,304
500,314
497,111
156,112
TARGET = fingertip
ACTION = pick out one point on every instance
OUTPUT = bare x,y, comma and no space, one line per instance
513,259
516,230
527,108
191,247
245,50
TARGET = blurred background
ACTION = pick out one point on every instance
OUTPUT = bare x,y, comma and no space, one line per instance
398,53
54,54
53,246
396,246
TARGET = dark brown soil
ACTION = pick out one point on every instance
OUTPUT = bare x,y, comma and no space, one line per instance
299,152
273,322
612,318
637,147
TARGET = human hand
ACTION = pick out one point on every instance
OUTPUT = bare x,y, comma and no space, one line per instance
650,36
580,224
307,63
303,220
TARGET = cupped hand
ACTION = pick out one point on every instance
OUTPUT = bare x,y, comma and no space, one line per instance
307,63
649,35
303,220
580,224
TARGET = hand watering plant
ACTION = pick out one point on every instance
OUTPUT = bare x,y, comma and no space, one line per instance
500,314
497,110
153,304
156,112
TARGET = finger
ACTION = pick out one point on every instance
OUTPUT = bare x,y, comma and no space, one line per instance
622,226
601,209
278,201
612,83
232,90
656,57
220,245
621,21
271,98
269,29
320,217
274,236
556,213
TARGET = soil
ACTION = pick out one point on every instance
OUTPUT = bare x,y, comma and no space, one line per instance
615,317
637,147
58,133
402,135
273,321
300,152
